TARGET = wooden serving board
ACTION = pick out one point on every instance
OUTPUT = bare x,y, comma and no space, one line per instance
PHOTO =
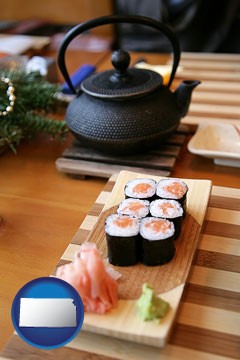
167,280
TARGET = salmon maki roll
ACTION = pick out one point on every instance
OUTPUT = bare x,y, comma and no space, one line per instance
173,189
122,235
157,241
134,207
144,189
168,209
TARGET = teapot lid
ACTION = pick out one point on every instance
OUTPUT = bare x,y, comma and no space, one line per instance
122,82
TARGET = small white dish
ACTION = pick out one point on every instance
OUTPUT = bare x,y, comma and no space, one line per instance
220,142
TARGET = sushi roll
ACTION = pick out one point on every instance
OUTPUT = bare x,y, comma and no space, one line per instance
134,207
174,189
122,234
157,241
168,209
143,189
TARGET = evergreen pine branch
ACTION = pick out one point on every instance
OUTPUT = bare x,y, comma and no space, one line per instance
10,135
33,123
32,91
35,97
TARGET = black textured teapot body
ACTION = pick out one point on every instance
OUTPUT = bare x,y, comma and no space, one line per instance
127,126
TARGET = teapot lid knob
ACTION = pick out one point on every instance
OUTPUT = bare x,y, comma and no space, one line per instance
120,61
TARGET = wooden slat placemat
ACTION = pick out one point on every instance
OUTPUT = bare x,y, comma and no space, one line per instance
77,160
208,323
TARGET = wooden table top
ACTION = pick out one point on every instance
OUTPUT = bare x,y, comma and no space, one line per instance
41,209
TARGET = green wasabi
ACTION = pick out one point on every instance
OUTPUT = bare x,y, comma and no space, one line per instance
150,306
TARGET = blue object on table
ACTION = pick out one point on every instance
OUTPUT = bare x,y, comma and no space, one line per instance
77,77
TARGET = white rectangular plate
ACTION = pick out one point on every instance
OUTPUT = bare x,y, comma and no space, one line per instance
220,142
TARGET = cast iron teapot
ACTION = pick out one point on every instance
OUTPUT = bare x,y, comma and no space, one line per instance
125,110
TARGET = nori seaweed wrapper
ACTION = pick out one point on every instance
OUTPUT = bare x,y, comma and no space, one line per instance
178,225
123,250
157,252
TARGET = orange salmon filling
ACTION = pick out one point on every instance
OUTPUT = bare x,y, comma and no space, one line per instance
123,222
158,225
142,188
175,188
165,207
134,206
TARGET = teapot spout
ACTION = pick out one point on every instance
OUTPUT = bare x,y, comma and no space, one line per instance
183,95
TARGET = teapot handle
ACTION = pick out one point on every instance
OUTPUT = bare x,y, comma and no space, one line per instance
116,19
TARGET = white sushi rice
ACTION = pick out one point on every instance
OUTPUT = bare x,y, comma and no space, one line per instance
147,230
127,207
163,192
166,208
112,228
131,186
